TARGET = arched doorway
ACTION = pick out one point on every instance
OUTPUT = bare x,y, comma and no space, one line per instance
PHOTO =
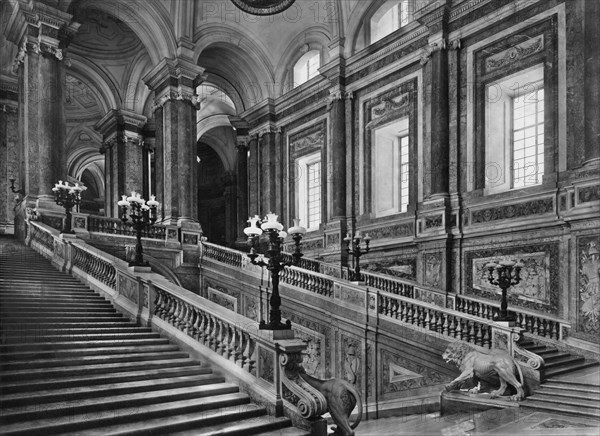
216,196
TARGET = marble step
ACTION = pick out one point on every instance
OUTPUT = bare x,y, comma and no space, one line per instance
564,369
109,341
71,357
71,381
561,409
243,421
112,403
97,421
567,393
107,390
32,375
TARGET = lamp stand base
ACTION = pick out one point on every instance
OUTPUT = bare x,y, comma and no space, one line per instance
275,326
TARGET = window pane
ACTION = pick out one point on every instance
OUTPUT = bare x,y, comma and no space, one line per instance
314,194
528,139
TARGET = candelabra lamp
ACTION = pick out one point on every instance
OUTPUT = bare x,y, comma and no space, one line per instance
354,248
142,214
275,263
504,274
68,196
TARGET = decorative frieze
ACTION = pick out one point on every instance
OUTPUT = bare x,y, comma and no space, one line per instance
515,53
511,211
308,140
394,231
402,268
385,107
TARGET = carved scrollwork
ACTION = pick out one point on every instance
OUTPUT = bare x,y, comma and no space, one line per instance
533,360
310,402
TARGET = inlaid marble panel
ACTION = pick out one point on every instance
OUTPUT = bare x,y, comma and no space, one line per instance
539,288
588,291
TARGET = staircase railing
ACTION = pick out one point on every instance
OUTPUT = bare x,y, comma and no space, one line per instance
233,342
321,283
536,324
400,306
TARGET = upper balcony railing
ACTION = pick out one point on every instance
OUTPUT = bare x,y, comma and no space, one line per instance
322,284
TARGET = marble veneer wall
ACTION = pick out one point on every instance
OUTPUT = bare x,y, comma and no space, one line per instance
444,238
393,368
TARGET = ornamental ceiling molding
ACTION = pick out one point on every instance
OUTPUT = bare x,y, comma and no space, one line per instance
263,7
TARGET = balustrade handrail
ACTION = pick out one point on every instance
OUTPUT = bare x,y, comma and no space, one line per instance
520,310
372,277
98,223
445,310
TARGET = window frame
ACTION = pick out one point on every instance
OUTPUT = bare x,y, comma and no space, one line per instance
382,11
498,140
399,179
306,66
302,189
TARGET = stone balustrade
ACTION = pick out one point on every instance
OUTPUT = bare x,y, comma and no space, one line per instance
536,324
265,365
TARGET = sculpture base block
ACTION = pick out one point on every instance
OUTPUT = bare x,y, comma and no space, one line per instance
460,402
140,269
69,236
277,335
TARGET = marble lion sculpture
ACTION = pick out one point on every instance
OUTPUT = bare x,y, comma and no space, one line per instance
476,365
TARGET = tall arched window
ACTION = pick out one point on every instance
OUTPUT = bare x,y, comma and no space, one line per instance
390,17
307,67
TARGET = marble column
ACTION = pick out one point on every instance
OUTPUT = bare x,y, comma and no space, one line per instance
434,60
174,83
592,80
253,177
270,170
335,169
42,34
242,186
10,163
121,131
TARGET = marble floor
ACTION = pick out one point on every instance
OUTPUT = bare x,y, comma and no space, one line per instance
484,423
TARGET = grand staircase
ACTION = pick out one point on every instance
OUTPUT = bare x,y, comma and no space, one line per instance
71,364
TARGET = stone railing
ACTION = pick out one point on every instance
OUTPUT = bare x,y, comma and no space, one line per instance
454,325
223,254
294,276
115,226
265,364
322,284
400,305
543,326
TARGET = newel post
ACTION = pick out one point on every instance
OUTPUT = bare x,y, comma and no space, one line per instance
292,387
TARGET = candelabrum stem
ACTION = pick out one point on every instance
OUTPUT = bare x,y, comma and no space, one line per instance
275,264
